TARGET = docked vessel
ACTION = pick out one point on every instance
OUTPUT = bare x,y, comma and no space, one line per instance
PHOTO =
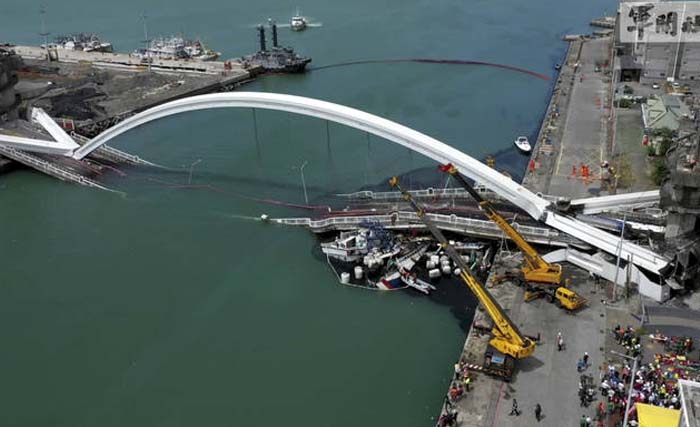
176,48
523,144
87,42
278,59
298,22
350,246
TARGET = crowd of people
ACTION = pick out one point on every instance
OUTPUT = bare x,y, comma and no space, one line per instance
654,383
629,339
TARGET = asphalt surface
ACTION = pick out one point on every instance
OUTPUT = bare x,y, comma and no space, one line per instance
550,377
584,138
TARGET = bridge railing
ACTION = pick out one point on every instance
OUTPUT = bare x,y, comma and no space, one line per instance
449,222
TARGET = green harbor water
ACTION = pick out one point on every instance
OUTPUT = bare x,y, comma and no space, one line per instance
171,306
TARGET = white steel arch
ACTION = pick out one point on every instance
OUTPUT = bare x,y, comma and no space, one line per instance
535,206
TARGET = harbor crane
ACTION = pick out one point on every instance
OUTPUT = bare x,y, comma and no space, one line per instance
536,269
507,338
538,273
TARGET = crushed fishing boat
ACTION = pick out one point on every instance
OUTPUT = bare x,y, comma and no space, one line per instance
375,258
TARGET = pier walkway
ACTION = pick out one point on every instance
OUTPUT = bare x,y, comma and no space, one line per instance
456,224
575,130
48,168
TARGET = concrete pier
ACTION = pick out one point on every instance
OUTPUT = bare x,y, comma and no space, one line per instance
575,130
577,126
125,61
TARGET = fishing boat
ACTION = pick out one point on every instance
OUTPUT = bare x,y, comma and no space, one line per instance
413,281
350,246
390,281
402,275
176,48
87,42
523,144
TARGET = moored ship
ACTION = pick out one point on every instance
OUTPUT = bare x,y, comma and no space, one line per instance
87,42
177,48
278,59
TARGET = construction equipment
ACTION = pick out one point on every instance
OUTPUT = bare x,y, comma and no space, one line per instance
507,338
561,296
535,269
538,274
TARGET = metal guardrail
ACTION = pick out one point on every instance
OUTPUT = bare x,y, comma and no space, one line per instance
432,192
454,223
111,153
48,168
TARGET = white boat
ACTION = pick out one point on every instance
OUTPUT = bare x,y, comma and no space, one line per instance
298,22
416,283
87,42
349,246
176,48
523,144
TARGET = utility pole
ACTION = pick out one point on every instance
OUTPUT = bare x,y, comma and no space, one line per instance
303,181
629,393
44,33
146,40
189,178
619,252
679,28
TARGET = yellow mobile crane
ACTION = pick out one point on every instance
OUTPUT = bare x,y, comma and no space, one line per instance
507,338
536,269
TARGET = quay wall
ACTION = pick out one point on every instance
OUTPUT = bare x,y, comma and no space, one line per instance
544,152
127,61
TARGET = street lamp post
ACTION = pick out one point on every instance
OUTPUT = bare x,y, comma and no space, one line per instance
303,181
619,252
189,176
629,393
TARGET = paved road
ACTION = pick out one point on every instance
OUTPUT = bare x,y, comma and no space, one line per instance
585,135
550,377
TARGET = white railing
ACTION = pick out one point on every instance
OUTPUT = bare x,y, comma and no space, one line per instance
448,222
47,167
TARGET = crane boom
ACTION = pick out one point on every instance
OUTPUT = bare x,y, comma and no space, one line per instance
536,268
507,337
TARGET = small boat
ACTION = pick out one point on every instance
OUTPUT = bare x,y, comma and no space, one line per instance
298,22
416,283
557,67
390,281
523,144
87,42
349,246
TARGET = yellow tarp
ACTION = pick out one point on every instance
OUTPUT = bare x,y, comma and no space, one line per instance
656,416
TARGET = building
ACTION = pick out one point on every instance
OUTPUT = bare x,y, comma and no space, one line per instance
690,403
659,40
665,111
680,197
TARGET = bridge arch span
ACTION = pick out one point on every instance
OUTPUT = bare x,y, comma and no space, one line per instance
414,140
348,116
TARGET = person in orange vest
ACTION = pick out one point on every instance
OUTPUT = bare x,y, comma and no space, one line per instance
573,171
